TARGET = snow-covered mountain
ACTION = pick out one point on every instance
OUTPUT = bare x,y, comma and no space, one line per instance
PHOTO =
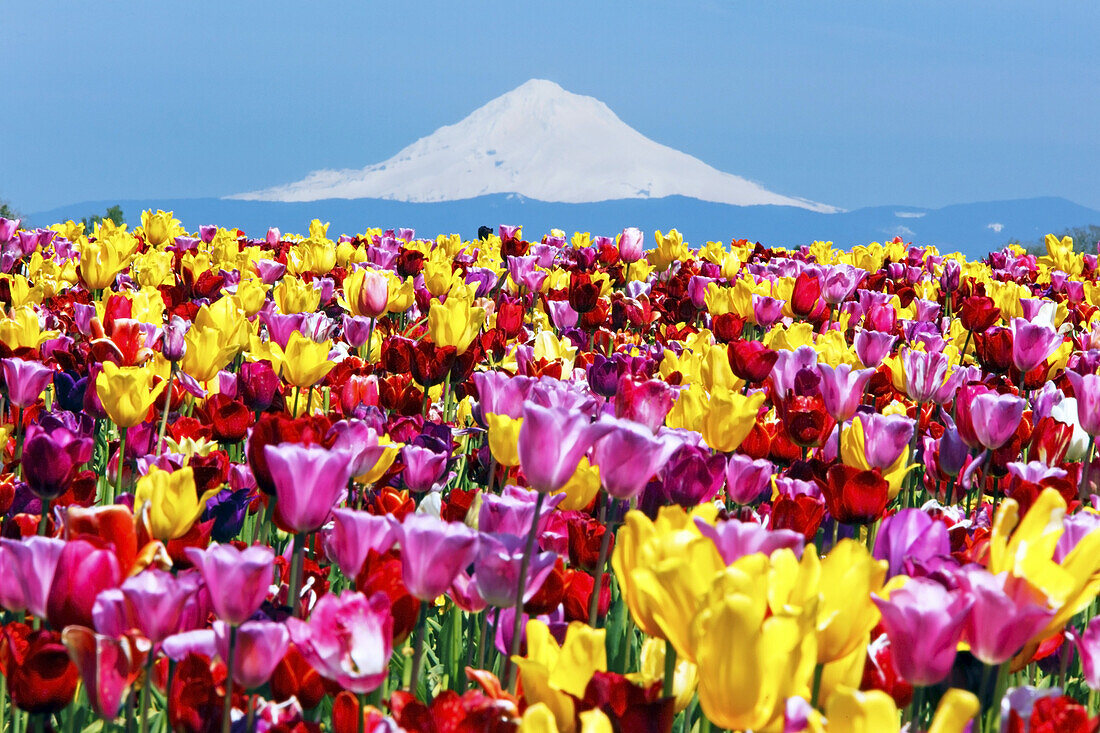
541,142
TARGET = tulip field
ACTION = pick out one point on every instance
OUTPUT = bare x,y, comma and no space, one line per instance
378,482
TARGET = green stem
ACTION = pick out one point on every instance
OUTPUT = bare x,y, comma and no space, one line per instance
227,711
44,520
164,412
293,596
121,464
597,576
517,625
145,693
362,697
818,672
670,669
418,647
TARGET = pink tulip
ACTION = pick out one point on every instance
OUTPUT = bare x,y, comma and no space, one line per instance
151,602
873,346
1032,344
497,567
644,401
630,245
746,478
996,417
348,639
309,480
83,571
258,647
423,467
925,373
842,389
433,552
735,539
352,537
238,580
108,666
28,568
766,311
924,621
1088,648
552,441
1005,614
25,380
628,456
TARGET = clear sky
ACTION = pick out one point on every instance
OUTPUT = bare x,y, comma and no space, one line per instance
853,103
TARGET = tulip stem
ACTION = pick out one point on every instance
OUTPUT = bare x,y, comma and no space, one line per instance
517,624
145,693
167,407
227,711
295,591
818,672
670,669
482,637
362,696
597,576
44,520
121,464
1084,488
418,647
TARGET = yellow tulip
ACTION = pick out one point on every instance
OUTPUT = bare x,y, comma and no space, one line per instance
158,227
23,330
956,709
438,276
296,296
455,322
852,711
691,405
652,670
402,296
207,353
306,361
670,248
153,268
168,502
582,487
729,418
1026,549
504,438
102,260
849,575
127,393
554,675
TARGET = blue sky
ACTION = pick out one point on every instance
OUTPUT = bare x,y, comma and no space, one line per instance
855,104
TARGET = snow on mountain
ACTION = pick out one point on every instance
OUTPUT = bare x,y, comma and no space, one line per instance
541,142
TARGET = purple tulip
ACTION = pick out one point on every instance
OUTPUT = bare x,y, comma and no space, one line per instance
996,417
885,437
1005,614
735,539
28,568
258,647
924,621
238,580
423,467
150,602
309,480
1032,344
348,639
433,552
25,380
513,511
910,534
842,389
174,345
925,373
628,455
766,311
788,365
280,326
552,441
497,566
693,475
500,394
352,537
51,459
8,228
746,479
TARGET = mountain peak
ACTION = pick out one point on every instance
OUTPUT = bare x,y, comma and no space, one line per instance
540,141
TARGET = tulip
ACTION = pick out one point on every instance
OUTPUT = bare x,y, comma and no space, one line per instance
1087,644
423,467
40,678
995,418
842,389
646,402
1032,344
207,352
1006,613
367,292
746,478
25,380
352,537
51,459
168,502
455,322
845,614
751,360
257,648
693,475
630,245
729,418
108,666
873,346
628,456
910,534
83,571
925,373
306,361
127,393
152,602
924,621
1087,391
432,553
238,580
308,480
735,539
348,639
28,569
504,438
551,443
854,496
498,565
557,676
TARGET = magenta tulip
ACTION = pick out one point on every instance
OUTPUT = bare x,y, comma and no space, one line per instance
238,580
735,539
28,568
910,534
873,346
348,639
552,441
628,456
433,552
309,480
924,621
842,389
925,373
150,602
423,467
630,245
746,479
25,380
83,571
1005,614
1032,344
996,417
1088,648
352,537
258,647
107,666
1087,391
885,437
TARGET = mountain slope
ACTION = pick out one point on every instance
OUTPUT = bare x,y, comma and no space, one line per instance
541,142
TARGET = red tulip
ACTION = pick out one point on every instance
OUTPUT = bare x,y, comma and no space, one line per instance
40,677
751,360
108,666
978,313
854,496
